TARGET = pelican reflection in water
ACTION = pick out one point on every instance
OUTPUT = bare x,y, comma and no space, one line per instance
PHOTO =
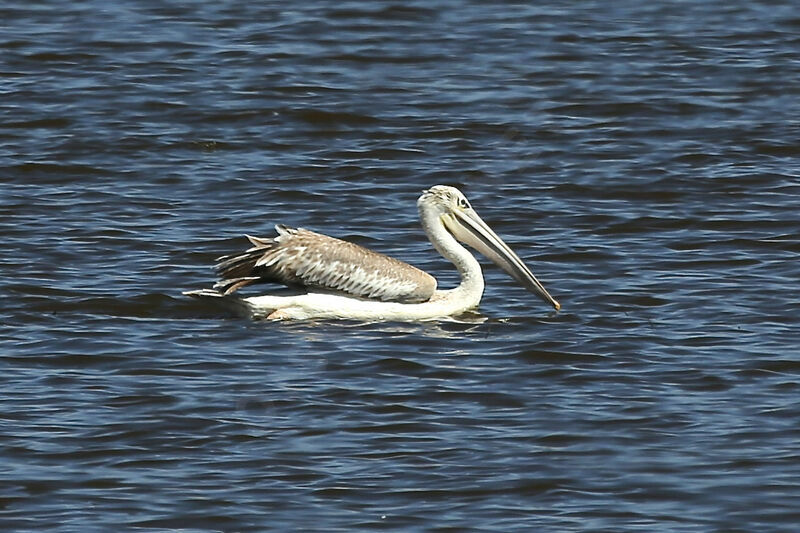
340,279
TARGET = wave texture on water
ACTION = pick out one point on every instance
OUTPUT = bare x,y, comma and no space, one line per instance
642,158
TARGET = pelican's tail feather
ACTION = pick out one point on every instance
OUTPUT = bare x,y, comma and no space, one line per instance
235,271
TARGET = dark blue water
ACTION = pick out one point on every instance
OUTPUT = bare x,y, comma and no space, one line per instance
641,157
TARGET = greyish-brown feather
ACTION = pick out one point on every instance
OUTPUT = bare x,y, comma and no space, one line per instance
299,257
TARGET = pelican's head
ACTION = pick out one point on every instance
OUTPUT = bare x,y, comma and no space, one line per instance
462,222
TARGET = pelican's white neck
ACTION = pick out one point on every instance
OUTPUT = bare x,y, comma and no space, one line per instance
471,275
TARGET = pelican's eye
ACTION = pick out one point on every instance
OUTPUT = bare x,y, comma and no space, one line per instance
463,203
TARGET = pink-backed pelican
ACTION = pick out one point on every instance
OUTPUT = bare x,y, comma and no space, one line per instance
346,281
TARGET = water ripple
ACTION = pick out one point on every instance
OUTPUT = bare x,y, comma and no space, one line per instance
638,157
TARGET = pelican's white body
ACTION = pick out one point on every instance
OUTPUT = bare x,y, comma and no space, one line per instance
334,306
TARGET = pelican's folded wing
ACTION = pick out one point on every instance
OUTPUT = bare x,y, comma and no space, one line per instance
299,257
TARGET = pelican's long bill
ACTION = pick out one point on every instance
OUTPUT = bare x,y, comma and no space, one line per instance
469,228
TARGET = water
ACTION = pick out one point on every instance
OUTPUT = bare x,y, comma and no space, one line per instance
641,157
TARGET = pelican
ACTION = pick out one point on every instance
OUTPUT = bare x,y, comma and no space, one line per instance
341,280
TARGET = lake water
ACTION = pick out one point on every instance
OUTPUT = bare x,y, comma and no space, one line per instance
641,157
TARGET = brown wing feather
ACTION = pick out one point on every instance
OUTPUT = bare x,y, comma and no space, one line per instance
299,257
